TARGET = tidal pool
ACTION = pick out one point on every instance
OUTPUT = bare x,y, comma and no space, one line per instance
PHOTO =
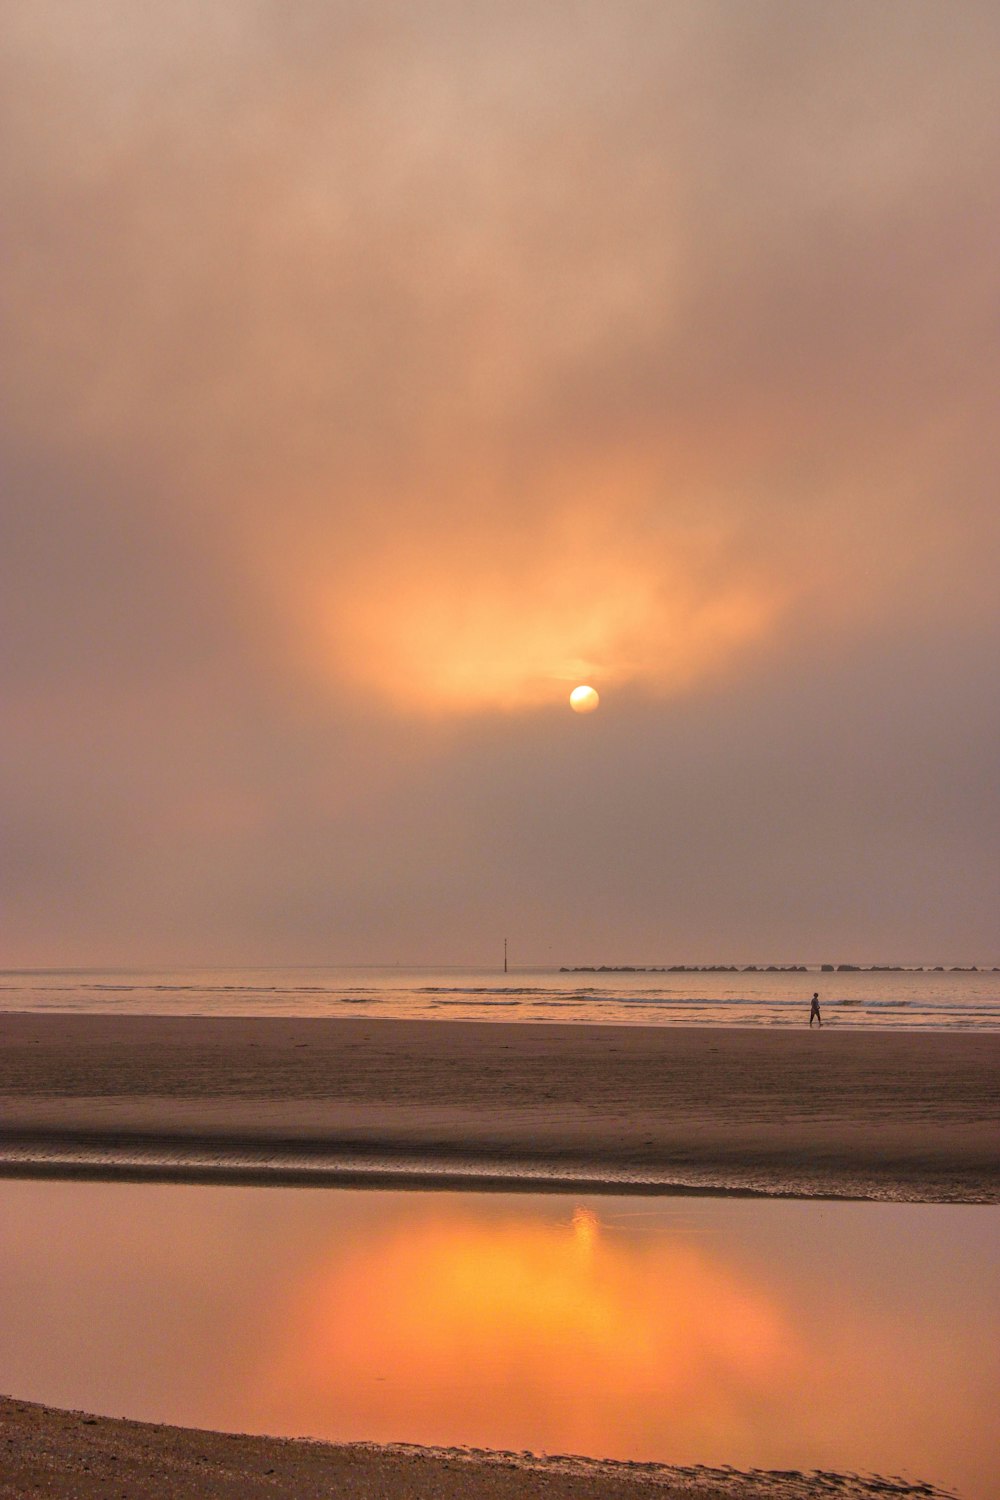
777,1334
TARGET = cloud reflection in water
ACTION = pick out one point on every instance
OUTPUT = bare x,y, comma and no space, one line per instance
524,1332
775,1334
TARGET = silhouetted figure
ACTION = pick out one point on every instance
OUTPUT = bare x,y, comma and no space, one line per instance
814,1014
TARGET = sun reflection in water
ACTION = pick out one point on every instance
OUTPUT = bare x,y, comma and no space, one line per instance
520,1333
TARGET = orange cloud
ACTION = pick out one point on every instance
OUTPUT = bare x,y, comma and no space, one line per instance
445,612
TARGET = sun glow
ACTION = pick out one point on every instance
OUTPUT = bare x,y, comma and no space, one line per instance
466,603
461,630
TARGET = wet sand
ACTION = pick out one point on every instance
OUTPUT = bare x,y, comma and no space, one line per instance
905,1116
45,1452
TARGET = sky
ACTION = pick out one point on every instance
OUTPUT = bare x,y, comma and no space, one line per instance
375,373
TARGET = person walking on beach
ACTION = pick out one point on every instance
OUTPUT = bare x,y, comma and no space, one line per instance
814,1014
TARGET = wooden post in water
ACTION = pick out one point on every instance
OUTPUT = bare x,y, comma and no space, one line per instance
505,955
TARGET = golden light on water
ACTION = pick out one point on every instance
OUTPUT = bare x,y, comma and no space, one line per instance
567,1333
765,1334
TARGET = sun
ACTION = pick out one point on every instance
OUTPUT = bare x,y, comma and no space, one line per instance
583,699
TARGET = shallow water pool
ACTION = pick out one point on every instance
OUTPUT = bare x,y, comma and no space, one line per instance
776,1334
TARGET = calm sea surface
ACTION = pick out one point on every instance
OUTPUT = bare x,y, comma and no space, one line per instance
927,1000
791,1335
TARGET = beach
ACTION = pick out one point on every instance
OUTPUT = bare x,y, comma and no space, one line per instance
905,1116
60,1454
892,1116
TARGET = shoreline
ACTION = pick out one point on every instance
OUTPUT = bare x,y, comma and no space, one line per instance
55,1452
224,1166
248,1164
885,1115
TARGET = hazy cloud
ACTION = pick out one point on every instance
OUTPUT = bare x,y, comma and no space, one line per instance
375,372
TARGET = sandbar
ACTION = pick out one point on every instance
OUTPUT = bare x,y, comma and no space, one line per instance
906,1116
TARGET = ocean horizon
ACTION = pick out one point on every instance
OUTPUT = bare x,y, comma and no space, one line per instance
912,998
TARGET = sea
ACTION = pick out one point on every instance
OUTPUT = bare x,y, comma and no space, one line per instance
945,998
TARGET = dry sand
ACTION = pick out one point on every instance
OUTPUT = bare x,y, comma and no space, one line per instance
68,1454
908,1116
